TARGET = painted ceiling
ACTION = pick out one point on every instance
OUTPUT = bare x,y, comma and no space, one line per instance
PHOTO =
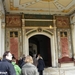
40,6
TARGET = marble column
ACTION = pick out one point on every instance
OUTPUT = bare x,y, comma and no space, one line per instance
73,33
25,41
26,46
55,42
3,38
0,34
23,35
73,38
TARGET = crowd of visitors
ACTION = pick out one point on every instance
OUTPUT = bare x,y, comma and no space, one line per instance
27,65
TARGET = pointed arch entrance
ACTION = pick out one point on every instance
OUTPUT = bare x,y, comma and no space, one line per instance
41,44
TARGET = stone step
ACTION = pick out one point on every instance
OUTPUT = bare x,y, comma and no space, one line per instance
59,71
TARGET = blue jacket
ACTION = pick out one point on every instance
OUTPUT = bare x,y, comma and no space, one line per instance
6,68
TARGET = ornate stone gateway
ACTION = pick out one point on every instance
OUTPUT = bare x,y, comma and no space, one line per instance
18,35
41,32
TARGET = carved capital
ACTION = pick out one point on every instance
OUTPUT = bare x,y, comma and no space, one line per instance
72,26
23,22
3,25
2,16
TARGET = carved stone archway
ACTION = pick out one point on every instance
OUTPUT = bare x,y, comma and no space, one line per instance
42,32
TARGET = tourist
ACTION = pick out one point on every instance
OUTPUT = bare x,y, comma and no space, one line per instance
21,61
35,61
29,68
6,68
16,67
40,65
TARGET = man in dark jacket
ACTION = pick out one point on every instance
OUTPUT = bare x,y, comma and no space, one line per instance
41,64
6,68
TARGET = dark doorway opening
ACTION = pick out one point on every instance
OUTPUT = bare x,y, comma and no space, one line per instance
40,44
